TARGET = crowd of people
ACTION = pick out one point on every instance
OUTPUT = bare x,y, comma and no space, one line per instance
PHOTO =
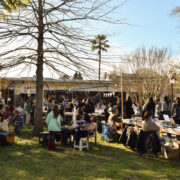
82,116
13,117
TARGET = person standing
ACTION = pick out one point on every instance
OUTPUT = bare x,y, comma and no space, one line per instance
49,106
45,104
28,110
175,113
165,106
128,110
150,106
157,108
119,105
53,122
174,105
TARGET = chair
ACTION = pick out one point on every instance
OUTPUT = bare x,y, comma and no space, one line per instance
118,130
82,145
94,135
43,138
148,140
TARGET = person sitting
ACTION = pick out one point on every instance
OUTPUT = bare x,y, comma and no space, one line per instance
111,120
4,124
110,107
89,107
54,125
68,107
148,124
148,136
20,109
87,118
139,111
80,131
6,113
66,133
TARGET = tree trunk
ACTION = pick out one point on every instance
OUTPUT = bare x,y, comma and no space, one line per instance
99,77
39,75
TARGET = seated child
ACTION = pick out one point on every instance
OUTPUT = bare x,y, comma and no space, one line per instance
80,131
16,121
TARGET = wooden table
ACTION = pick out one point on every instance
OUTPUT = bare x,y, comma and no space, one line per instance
139,124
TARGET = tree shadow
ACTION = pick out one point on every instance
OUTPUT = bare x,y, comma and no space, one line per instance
104,161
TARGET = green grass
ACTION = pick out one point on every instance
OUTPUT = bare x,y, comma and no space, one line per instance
26,160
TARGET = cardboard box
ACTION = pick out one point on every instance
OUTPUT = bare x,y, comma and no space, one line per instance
171,152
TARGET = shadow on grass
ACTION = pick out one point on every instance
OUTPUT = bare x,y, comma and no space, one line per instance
25,161
28,160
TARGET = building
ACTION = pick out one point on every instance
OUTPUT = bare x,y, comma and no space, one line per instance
18,89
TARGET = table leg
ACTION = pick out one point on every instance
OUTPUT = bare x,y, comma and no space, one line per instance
95,136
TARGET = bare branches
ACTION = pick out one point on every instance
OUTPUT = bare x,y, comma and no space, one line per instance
66,44
146,73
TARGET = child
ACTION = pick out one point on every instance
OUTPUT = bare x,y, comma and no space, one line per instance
16,122
80,131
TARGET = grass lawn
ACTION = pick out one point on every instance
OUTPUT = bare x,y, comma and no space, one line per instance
26,160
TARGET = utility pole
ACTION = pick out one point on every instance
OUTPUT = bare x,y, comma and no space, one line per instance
122,98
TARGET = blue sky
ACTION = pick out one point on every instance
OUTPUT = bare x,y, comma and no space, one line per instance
153,25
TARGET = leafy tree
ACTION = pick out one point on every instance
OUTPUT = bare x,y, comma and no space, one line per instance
176,11
11,5
100,44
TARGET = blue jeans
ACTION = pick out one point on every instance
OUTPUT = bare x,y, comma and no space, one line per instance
104,131
111,131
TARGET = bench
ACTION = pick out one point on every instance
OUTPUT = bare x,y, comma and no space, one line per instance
43,138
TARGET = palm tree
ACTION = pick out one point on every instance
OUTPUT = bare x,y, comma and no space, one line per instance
100,44
176,11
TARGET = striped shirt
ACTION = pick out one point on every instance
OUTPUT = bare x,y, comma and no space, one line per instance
80,125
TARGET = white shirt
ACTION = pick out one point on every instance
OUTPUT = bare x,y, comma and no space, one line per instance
4,126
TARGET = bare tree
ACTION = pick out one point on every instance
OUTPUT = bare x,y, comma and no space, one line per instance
176,12
51,34
145,73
